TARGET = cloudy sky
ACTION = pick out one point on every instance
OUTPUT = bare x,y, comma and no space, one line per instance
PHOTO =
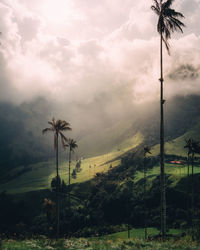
79,50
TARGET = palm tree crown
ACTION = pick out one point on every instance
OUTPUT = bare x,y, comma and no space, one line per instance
168,20
71,144
192,146
58,126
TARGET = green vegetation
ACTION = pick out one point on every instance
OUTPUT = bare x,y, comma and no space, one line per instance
138,233
99,244
40,175
176,146
113,187
176,172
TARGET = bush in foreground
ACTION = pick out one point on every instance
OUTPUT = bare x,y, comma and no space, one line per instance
98,244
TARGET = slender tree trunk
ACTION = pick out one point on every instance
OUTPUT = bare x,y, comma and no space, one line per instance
162,166
188,190
145,210
57,192
192,194
69,174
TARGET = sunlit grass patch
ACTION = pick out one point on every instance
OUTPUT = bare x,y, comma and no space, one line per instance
137,233
176,146
40,175
175,171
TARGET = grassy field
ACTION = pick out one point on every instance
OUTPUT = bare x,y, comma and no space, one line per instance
176,146
40,175
137,233
175,171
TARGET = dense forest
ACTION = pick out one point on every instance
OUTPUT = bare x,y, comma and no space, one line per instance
106,204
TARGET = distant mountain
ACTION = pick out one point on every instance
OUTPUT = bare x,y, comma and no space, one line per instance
22,142
21,137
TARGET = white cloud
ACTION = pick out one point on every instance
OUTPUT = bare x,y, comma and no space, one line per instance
75,51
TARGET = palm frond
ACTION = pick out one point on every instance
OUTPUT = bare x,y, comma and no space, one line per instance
177,24
63,139
166,45
156,10
147,149
193,146
72,144
172,13
65,127
54,121
51,123
66,145
167,4
157,5
47,130
168,20
62,125
57,126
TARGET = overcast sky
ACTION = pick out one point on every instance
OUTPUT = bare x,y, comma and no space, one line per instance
78,50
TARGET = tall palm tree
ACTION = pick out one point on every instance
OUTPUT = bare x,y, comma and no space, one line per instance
146,151
57,127
72,145
168,22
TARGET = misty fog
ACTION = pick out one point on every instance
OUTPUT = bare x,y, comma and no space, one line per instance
94,65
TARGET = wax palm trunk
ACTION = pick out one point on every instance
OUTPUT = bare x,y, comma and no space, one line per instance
192,194
162,165
145,196
72,145
146,151
168,21
188,188
57,193
69,174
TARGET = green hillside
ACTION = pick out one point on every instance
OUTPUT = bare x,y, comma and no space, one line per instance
176,146
175,171
39,176
99,152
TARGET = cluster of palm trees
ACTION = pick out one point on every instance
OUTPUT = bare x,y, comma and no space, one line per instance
168,22
58,127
